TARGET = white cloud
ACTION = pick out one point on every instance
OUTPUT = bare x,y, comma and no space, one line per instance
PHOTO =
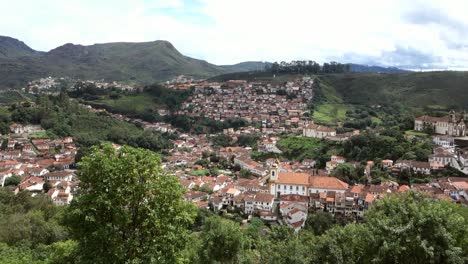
223,31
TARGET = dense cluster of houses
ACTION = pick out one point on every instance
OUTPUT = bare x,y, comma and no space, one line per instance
42,165
54,84
273,106
290,194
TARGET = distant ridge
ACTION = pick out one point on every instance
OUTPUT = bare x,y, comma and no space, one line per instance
138,63
141,63
13,48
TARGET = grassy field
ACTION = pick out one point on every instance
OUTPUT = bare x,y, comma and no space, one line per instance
415,133
199,172
330,113
134,103
39,135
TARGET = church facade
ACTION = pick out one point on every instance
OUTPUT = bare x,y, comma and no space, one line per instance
451,125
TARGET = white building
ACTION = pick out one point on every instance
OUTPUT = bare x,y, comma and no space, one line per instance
452,125
318,131
283,183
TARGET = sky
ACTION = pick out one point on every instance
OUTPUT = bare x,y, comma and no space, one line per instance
416,34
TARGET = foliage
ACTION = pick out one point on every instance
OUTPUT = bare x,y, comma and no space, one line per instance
222,241
31,219
243,173
126,201
368,146
13,180
222,140
319,222
299,148
307,67
63,117
349,173
30,229
414,228
248,140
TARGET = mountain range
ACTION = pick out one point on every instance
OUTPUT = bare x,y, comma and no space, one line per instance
141,63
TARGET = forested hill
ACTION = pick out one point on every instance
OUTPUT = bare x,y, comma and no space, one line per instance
141,63
435,90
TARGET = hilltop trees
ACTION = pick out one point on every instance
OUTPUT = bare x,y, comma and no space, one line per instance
129,210
308,67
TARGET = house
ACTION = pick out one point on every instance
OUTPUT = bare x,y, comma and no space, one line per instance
217,202
319,184
444,141
420,167
195,196
387,163
296,218
263,201
294,214
444,157
32,184
318,131
61,194
17,128
334,162
246,163
308,163
65,175
38,172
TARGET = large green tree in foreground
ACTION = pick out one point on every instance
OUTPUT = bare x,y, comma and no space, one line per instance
128,209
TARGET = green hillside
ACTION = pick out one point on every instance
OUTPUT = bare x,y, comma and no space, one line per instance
140,63
13,48
443,90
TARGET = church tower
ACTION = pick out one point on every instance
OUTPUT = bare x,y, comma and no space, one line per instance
453,116
274,171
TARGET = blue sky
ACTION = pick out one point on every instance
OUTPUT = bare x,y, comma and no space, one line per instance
410,34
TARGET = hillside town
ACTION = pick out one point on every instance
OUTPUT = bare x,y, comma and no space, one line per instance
229,132
229,179
272,106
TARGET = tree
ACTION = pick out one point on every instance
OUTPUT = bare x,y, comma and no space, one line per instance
243,173
346,172
47,186
319,222
415,228
13,180
342,245
222,241
254,229
128,209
